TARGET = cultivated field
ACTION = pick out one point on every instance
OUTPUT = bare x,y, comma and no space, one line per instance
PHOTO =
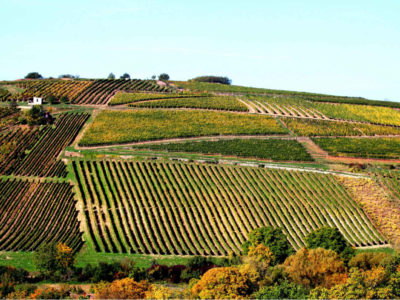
33,213
171,208
274,149
144,125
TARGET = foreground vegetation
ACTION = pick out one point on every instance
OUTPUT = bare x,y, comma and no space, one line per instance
116,127
268,267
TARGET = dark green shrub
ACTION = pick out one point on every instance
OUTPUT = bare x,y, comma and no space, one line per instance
331,239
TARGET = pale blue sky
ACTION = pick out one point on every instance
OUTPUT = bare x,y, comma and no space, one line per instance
343,47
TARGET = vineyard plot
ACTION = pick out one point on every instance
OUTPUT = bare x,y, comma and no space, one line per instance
190,209
42,159
34,213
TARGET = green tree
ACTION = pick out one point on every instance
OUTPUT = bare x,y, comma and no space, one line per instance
163,77
64,99
331,239
111,76
52,258
34,116
51,99
125,76
33,75
270,237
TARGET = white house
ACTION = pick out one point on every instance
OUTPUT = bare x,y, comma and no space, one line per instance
35,101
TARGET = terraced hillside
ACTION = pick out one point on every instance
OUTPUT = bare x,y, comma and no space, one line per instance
34,151
159,170
188,209
94,92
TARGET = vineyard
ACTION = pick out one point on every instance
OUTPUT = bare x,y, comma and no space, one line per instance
361,147
126,98
273,149
362,113
284,109
210,102
34,151
143,125
309,127
33,213
80,91
391,180
168,208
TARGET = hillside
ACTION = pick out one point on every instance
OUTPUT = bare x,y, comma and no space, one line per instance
129,166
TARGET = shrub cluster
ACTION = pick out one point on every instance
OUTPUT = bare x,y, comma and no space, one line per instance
213,79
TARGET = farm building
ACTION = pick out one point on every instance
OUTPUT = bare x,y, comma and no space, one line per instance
35,101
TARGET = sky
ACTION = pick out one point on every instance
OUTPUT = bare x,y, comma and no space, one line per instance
342,47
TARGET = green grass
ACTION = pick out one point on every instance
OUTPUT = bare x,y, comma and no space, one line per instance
117,127
361,147
25,260
383,249
273,149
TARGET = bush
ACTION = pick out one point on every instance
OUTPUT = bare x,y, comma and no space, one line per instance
273,238
213,79
330,239
157,272
126,288
283,290
368,260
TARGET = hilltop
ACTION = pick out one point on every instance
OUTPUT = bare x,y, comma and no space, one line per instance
134,168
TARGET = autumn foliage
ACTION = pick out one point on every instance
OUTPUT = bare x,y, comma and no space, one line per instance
222,283
126,288
315,267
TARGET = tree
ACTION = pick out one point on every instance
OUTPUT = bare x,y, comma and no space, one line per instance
68,76
125,76
331,239
34,116
315,267
111,76
163,77
153,77
64,99
222,283
273,238
51,99
213,79
125,288
33,75
50,258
